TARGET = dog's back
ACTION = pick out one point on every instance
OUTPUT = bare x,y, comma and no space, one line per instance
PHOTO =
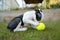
14,22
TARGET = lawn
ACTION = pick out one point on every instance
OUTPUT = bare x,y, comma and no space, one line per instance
52,32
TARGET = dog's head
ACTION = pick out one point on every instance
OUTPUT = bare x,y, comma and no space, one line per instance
38,14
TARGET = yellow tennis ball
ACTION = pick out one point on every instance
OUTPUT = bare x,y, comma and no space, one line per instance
40,26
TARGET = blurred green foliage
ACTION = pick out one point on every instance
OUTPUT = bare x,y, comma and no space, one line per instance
56,5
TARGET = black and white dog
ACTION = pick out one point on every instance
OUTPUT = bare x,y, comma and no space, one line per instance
15,21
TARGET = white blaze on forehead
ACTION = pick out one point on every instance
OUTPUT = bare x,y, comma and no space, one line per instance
39,9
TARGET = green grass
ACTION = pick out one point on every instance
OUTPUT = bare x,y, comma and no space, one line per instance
52,32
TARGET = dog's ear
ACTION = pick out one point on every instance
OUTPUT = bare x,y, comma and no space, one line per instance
37,10
40,10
